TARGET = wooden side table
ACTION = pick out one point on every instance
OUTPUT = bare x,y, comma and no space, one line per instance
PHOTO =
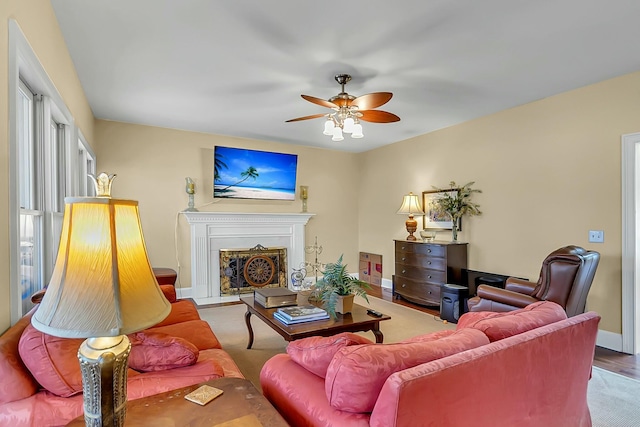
165,276
241,404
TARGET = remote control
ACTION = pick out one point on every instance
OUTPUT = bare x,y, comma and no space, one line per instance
374,313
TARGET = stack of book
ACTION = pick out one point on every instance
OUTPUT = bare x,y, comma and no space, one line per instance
300,314
275,297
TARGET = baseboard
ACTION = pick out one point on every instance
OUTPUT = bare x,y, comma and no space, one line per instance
387,283
609,340
183,292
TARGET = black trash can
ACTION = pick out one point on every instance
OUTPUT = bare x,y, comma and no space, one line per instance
453,302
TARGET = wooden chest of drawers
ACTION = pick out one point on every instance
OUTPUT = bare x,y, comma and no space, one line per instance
423,267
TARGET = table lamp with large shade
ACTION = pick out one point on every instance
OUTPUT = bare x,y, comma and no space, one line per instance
102,288
410,205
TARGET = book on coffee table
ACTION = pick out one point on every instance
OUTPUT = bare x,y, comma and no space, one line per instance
275,297
280,317
203,394
300,312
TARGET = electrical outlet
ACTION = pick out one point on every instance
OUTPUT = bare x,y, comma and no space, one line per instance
596,236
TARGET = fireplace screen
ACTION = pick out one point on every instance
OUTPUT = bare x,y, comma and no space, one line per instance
243,270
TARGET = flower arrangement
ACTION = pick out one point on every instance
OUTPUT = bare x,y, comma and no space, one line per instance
456,203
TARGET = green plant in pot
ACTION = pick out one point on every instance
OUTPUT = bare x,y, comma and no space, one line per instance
337,284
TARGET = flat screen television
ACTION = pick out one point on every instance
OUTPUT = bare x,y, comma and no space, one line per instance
239,173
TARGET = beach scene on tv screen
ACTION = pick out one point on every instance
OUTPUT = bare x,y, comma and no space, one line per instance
250,174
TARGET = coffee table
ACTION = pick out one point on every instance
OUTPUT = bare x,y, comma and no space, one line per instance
241,404
356,321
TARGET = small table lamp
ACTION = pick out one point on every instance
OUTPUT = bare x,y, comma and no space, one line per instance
410,205
102,288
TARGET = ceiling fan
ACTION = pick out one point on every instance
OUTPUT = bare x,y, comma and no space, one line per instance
349,110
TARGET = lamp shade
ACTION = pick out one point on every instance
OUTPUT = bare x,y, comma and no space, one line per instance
102,283
410,205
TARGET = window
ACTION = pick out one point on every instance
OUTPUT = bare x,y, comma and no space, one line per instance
49,160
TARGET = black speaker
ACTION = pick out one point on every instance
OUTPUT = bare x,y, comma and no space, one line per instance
453,299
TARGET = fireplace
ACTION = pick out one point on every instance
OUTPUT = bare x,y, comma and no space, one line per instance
213,231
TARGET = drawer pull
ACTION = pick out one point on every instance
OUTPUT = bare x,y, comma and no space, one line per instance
404,271
429,277
404,285
403,258
429,263
403,248
429,250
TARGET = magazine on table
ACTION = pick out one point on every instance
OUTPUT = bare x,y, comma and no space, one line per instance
279,316
299,312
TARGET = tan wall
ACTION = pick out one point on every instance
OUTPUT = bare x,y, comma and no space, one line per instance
40,27
549,172
152,164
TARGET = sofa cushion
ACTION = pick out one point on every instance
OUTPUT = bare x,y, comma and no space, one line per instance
17,381
155,351
146,384
497,326
52,361
181,311
432,336
197,332
357,373
315,353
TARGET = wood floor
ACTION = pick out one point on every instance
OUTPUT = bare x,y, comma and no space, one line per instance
623,364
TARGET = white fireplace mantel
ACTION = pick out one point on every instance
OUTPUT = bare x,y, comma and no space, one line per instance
212,231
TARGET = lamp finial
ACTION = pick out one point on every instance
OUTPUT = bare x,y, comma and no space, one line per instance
102,184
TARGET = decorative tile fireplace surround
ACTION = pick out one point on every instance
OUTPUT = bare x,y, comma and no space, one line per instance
212,231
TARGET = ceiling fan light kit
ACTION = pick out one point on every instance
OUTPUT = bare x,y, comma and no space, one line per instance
349,110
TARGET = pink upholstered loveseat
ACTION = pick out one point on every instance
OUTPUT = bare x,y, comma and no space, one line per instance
40,374
525,368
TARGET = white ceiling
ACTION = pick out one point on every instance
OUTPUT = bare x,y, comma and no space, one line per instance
238,67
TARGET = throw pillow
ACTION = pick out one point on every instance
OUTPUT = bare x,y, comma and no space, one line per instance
498,326
155,351
52,361
356,374
17,381
315,353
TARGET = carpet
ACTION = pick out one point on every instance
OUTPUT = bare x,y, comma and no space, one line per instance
613,399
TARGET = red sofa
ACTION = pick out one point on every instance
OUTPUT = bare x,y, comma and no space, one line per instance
528,367
45,388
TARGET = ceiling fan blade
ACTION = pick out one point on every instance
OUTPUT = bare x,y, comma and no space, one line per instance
314,116
319,101
371,100
377,116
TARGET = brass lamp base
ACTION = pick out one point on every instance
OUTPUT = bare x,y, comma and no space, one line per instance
103,363
412,226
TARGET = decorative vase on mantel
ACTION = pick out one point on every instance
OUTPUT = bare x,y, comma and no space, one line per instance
344,304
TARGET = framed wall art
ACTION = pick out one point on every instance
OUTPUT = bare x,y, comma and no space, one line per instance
240,173
433,219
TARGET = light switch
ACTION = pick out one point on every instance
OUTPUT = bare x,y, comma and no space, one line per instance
596,236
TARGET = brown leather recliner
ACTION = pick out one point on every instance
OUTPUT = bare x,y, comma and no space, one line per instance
565,278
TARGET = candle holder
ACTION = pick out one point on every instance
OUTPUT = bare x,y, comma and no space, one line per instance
304,195
316,266
190,188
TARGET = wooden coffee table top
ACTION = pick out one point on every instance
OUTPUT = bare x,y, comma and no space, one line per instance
241,404
357,321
